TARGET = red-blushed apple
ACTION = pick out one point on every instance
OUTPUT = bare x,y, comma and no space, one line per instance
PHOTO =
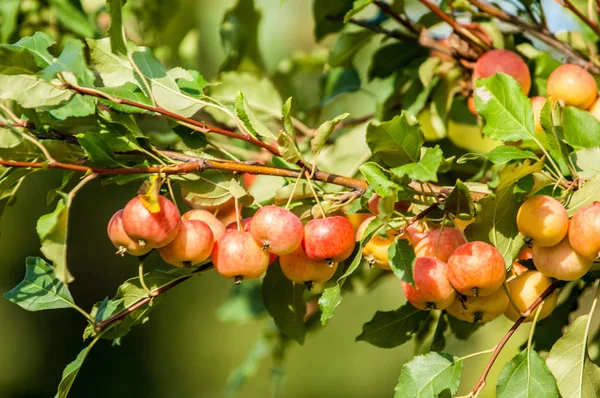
560,261
584,231
440,243
375,252
525,254
216,226
573,85
121,240
543,219
479,309
298,268
431,290
193,244
246,223
238,256
476,269
278,230
524,290
329,239
505,61
153,230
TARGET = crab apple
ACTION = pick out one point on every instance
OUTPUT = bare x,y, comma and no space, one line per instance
440,243
560,261
584,231
476,269
330,239
278,230
356,219
543,219
573,85
431,290
537,103
479,309
360,232
373,203
595,109
238,256
216,226
121,240
471,105
524,290
246,223
375,251
525,254
504,61
193,244
153,230
297,267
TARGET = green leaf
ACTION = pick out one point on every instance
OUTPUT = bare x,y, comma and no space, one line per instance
190,82
512,173
402,257
114,69
328,302
551,121
31,92
460,201
244,303
438,341
526,375
9,13
581,129
201,192
585,196
97,149
72,59
495,223
576,374
379,179
357,7
500,155
71,370
38,45
398,141
587,162
52,230
425,169
506,110
115,29
346,46
40,290
323,9
73,18
430,375
249,119
9,138
323,132
286,140
239,37
462,330
128,91
394,57
338,81
392,328
283,299
16,60
77,106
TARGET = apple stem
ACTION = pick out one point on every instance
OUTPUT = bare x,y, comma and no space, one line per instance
238,280
142,282
237,214
287,205
314,193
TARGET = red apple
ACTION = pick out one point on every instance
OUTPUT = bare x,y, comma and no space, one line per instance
329,239
192,244
278,230
121,240
238,256
153,230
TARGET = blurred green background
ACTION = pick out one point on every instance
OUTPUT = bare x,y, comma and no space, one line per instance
184,351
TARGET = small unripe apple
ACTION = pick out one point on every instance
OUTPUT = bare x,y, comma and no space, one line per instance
432,290
329,239
278,230
584,231
440,243
401,205
298,268
537,103
193,244
153,230
216,226
121,240
479,309
375,252
543,219
560,261
524,290
476,269
573,85
238,256
496,61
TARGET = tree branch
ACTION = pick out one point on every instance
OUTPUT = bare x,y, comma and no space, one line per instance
481,382
401,19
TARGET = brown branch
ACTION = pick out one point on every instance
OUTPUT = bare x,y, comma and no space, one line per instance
570,6
401,19
481,382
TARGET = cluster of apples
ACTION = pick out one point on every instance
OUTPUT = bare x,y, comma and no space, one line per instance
308,253
570,84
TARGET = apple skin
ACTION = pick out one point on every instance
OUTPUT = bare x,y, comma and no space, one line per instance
153,229
524,290
329,239
543,219
278,230
560,261
216,226
440,243
121,240
584,231
238,256
432,290
375,252
479,309
573,85
505,61
537,103
246,224
192,245
476,269
298,268
401,205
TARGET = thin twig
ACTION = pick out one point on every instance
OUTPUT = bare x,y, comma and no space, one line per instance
401,19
